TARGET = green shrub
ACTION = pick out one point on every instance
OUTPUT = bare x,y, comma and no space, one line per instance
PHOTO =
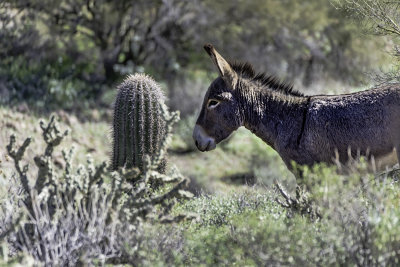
56,83
359,225
218,210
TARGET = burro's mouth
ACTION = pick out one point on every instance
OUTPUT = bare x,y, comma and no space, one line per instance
203,141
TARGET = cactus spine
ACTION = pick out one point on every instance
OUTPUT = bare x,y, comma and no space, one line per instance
138,123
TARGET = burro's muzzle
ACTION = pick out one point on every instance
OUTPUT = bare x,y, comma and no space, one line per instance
203,141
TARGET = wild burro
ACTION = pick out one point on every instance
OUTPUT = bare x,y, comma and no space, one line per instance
302,129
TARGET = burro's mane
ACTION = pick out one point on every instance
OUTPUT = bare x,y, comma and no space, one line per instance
246,70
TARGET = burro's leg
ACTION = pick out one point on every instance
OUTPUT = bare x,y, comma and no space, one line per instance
398,153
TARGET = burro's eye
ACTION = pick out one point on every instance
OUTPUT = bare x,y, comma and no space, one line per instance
212,103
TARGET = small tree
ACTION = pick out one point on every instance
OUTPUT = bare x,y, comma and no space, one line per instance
381,18
121,31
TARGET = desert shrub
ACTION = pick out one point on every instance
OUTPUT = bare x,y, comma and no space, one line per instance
358,224
260,239
85,215
359,205
220,210
248,229
55,84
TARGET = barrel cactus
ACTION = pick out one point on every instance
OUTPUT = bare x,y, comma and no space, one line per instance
138,125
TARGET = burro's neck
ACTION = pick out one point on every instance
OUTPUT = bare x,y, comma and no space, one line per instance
278,119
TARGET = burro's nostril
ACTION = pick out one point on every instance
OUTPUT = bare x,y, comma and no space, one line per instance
202,140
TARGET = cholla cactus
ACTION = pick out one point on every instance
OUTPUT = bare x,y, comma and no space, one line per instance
95,212
138,123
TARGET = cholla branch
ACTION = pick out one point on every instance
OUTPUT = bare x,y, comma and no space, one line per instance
97,175
68,155
170,119
45,171
86,211
52,135
13,226
131,175
300,204
289,201
176,191
162,178
17,155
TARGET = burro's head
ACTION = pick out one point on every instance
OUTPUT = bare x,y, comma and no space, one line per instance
219,115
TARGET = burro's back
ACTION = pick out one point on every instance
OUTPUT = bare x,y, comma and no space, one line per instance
302,129
362,123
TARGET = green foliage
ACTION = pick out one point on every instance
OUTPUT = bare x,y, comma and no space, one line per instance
36,66
378,17
91,42
218,211
88,214
358,225
55,83
139,127
261,239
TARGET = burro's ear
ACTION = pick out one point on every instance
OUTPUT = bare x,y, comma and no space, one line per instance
225,70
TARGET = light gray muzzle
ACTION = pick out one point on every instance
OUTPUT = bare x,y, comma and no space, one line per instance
203,141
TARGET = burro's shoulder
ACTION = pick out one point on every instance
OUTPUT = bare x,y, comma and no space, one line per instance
321,103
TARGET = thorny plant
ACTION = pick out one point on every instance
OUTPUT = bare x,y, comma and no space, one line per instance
75,216
300,204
